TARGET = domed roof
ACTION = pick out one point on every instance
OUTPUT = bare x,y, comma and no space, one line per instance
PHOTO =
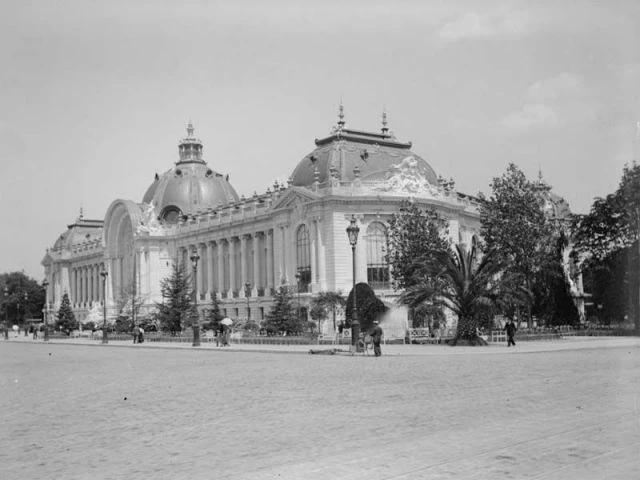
82,231
347,154
556,207
190,185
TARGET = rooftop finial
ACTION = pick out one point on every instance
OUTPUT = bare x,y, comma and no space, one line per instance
341,116
190,129
540,174
384,121
81,214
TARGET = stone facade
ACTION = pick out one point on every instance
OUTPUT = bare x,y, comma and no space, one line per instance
291,234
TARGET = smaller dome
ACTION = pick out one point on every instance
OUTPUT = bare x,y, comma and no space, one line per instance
82,231
190,186
555,206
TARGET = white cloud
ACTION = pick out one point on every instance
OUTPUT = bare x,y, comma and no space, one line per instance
484,25
561,99
562,85
531,116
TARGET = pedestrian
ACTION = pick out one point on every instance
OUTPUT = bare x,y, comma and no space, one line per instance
376,338
135,334
510,328
226,333
35,333
140,335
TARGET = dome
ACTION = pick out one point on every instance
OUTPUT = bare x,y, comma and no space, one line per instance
555,207
82,231
190,186
347,154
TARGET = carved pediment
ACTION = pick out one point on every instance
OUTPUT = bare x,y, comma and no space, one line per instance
294,197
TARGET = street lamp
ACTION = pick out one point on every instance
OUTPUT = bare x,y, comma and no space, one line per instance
247,294
196,321
26,298
352,232
45,284
6,313
105,337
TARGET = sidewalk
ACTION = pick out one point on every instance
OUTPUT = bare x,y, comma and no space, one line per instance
568,343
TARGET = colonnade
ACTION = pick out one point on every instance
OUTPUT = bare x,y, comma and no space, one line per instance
86,284
264,260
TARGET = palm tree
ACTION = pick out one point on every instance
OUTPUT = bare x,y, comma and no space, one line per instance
468,285
327,301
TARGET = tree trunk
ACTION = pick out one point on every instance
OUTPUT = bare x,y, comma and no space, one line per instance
466,328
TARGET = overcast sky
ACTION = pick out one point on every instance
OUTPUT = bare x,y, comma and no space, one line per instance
95,95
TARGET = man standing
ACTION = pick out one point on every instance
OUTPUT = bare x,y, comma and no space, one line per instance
376,338
510,328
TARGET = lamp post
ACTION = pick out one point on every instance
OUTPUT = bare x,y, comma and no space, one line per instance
26,298
105,337
6,314
247,294
45,284
352,232
196,321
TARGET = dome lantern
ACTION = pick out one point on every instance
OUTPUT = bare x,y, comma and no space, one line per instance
190,148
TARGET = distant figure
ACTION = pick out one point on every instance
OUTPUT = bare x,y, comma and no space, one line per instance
510,328
35,333
135,333
376,338
140,335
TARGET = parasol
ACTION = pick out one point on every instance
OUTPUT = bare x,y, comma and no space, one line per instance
226,321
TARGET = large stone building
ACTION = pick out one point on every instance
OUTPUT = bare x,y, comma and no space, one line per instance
248,246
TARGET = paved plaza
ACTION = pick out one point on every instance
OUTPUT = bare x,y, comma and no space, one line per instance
568,409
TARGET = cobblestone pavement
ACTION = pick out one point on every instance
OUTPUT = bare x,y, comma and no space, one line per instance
544,410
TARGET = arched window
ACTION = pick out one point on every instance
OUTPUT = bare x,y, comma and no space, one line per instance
303,258
377,267
170,214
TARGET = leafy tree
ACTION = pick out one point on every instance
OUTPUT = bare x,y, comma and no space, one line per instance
613,225
283,318
516,228
176,308
609,281
66,318
414,232
325,302
369,307
129,307
470,286
213,315
428,315
15,307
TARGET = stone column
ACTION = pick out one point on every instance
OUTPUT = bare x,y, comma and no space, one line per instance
90,284
284,276
277,256
256,263
313,241
322,269
232,266
269,283
210,281
202,269
72,291
220,247
244,264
